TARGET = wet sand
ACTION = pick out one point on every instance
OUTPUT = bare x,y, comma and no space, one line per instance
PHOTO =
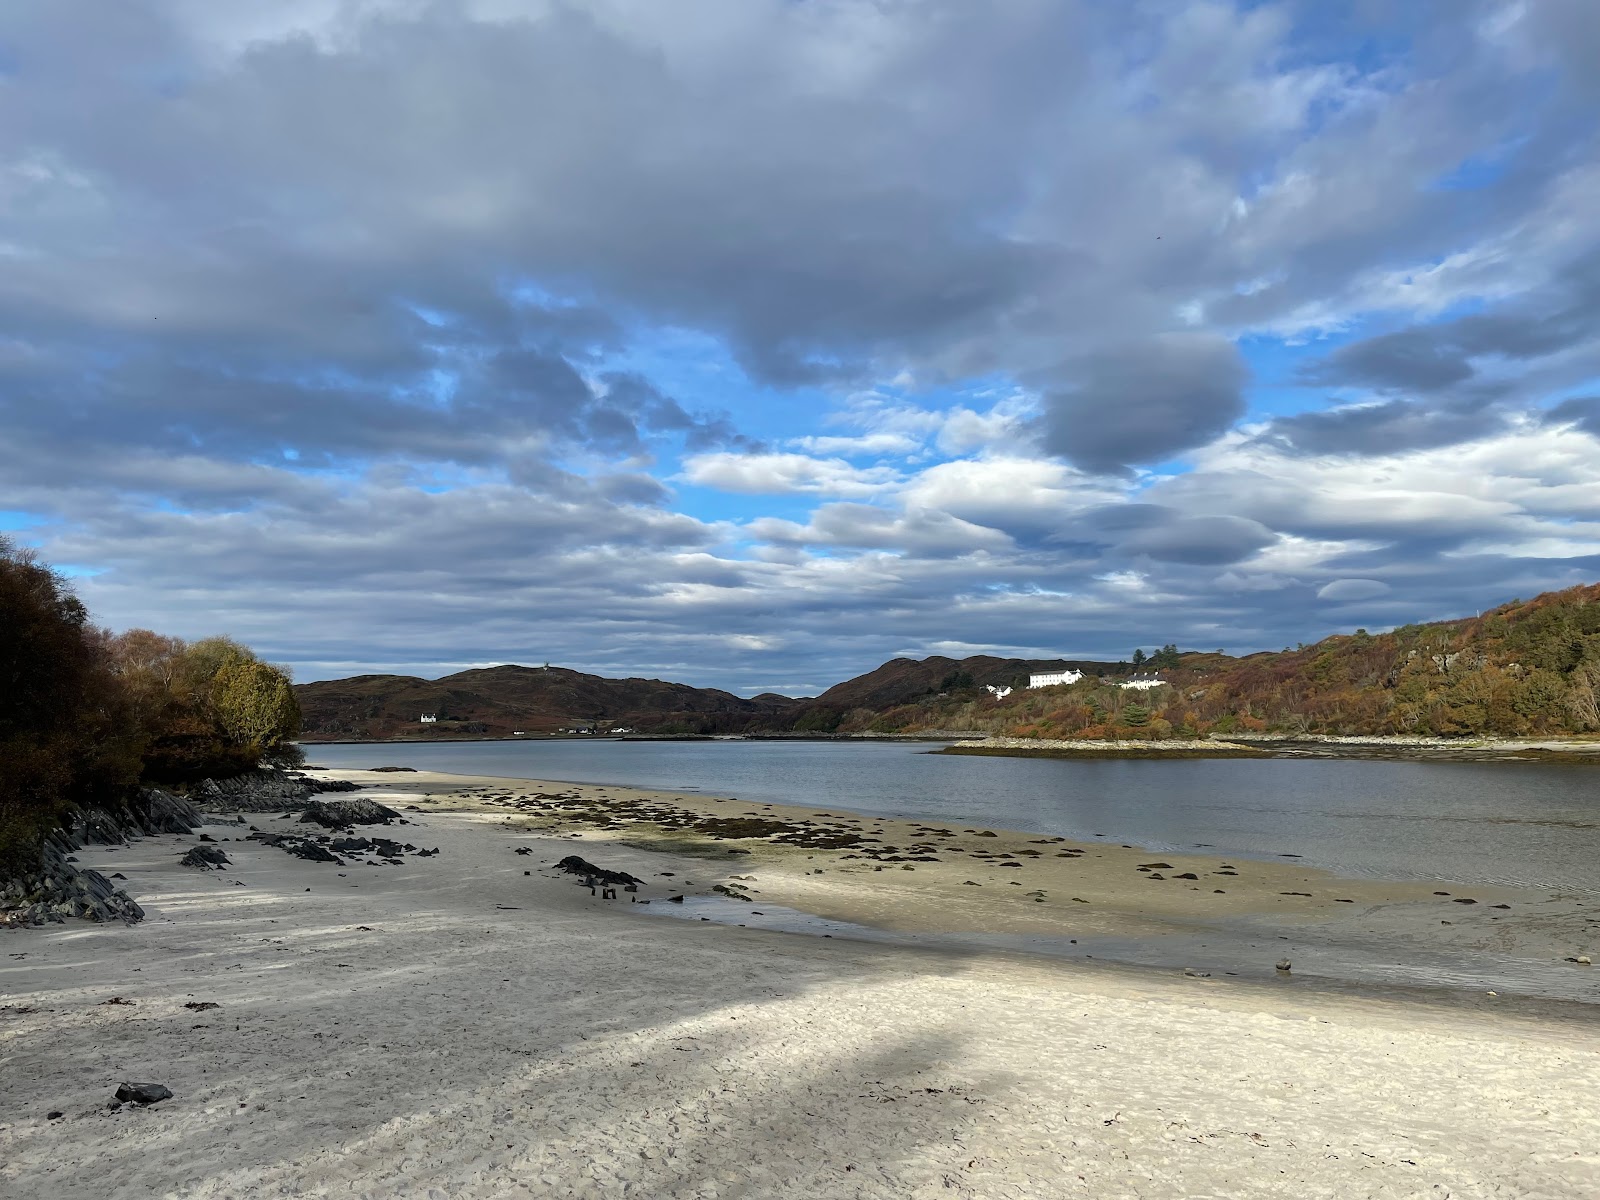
1231,916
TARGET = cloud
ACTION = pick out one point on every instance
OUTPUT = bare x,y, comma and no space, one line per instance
1146,402
785,474
388,334
1374,429
1344,591
1581,411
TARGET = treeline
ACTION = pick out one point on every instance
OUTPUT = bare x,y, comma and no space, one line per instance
1527,668
86,716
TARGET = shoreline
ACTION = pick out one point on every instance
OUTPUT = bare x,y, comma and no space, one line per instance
1578,751
986,887
478,1025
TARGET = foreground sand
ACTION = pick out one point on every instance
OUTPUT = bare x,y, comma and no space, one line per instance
496,1033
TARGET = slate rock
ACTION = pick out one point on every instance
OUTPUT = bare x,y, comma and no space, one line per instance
312,852
340,814
143,1093
573,865
207,858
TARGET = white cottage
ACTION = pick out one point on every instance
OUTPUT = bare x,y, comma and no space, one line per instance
1142,681
1053,678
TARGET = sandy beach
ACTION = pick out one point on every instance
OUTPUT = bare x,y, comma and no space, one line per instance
479,1024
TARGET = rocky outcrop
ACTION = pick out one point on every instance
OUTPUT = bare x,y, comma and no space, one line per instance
265,790
341,814
205,857
55,888
60,889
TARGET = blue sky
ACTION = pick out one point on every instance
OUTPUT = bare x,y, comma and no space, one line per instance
751,343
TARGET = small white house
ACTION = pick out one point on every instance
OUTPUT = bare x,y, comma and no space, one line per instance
999,693
429,718
1054,678
1142,681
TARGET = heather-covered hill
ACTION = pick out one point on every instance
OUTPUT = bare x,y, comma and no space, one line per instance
502,700
1524,668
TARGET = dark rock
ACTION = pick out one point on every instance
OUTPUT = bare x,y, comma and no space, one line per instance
1187,875
392,769
207,858
56,889
55,1115
312,852
201,1005
143,1093
265,790
350,845
1463,900
1161,866
340,814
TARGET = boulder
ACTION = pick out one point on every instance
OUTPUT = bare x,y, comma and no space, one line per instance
340,814
207,858
312,852
573,865
143,1093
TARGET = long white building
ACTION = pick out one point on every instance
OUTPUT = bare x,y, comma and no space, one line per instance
1054,678
1142,682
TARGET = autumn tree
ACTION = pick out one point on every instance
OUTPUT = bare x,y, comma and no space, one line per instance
63,735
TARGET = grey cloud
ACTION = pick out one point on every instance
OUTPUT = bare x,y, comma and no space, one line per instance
1392,427
1163,534
1444,355
1411,361
1146,401
1582,411
424,249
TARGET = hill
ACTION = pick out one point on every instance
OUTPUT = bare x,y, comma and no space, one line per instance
499,701
1524,668
902,679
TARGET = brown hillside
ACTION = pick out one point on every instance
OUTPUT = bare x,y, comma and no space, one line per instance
904,679
495,701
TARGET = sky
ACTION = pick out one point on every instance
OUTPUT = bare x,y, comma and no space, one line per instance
750,343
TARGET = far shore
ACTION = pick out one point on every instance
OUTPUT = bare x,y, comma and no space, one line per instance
1570,750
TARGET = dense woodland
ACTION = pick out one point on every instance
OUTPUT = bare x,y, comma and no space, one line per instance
87,716
1525,668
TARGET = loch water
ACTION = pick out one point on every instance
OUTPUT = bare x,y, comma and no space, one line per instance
1509,823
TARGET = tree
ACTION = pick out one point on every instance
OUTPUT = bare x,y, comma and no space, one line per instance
255,705
1138,658
62,729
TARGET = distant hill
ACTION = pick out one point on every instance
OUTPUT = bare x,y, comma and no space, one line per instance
497,701
1527,667
902,679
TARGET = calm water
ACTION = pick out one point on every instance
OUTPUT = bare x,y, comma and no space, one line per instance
1488,823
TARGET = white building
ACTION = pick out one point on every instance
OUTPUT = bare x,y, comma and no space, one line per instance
1054,678
429,718
1142,682
999,693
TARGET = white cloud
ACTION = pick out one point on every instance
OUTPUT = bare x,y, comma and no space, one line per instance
786,474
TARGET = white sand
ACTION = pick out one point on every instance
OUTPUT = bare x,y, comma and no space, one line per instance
568,1047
